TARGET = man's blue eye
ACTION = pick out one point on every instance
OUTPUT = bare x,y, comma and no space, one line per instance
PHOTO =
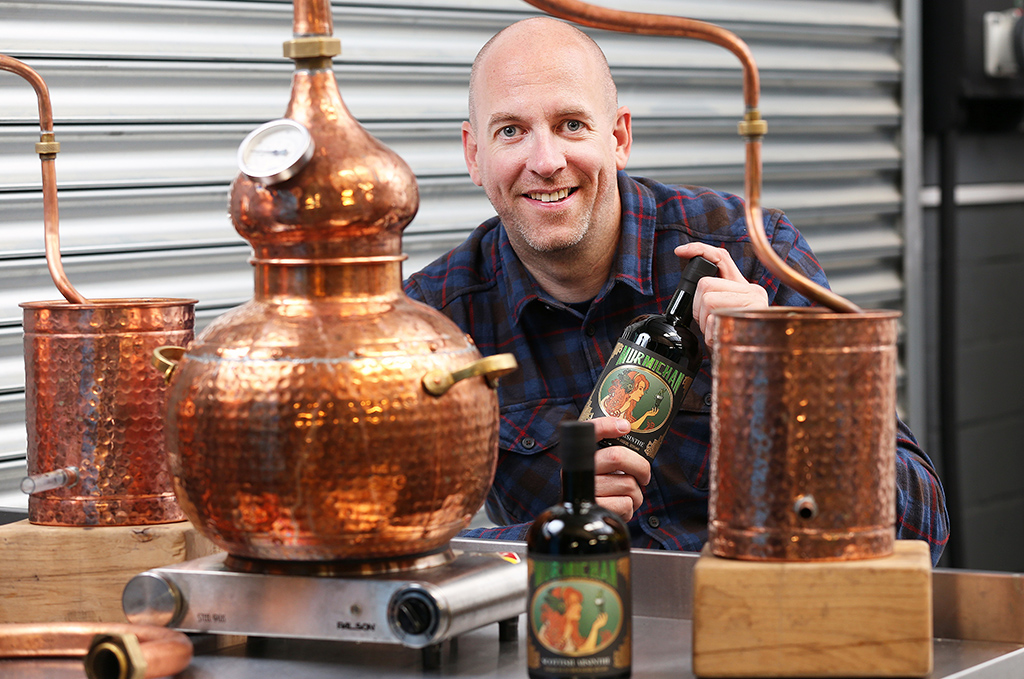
508,131
574,125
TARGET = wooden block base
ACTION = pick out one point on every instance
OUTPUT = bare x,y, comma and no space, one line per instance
870,618
59,574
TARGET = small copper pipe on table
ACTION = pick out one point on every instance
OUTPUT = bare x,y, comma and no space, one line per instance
47,149
752,128
109,650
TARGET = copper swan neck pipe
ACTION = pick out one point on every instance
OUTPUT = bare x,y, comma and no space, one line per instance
47,149
752,128
312,17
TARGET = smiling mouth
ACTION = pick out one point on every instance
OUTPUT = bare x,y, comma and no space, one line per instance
552,197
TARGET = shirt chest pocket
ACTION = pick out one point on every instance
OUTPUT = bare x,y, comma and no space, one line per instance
532,427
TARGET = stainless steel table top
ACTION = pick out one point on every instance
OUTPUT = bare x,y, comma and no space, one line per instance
979,623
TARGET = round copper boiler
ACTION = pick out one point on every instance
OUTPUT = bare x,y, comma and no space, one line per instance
304,425
304,432
803,435
93,402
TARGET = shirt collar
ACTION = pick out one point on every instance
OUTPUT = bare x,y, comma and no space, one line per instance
633,261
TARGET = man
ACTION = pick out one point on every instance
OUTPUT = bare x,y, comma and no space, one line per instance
578,250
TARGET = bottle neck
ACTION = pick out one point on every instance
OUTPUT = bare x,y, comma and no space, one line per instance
577,486
680,308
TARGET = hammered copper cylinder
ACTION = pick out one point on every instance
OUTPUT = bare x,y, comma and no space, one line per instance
93,401
803,435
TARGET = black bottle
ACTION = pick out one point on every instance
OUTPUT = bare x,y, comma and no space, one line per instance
579,610
651,368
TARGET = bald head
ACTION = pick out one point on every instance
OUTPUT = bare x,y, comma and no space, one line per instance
538,37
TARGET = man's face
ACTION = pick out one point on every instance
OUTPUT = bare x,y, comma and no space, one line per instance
545,144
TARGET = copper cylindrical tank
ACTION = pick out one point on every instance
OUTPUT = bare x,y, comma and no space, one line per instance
803,435
321,421
93,402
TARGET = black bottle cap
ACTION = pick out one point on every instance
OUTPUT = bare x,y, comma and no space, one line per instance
577,445
697,268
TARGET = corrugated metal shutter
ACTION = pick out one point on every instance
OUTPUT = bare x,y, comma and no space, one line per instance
151,98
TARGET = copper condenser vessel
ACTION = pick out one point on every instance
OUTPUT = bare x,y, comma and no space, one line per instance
330,418
804,440
93,408
803,421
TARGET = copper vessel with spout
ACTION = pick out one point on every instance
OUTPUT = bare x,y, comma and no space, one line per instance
330,418
805,435
803,420
94,411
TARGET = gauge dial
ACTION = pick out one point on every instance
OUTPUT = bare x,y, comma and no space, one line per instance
275,151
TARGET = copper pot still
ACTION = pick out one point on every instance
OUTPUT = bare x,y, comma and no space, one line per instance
330,418
803,435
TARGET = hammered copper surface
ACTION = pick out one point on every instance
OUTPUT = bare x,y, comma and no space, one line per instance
803,435
299,427
92,401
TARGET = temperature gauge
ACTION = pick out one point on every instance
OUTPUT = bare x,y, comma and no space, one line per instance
275,151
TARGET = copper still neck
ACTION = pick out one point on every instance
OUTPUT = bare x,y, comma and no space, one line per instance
358,280
347,207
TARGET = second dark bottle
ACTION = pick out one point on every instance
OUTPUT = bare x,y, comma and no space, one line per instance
579,611
651,368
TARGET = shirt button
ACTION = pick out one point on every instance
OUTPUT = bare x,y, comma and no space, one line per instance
590,331
529,443
707,399
653,521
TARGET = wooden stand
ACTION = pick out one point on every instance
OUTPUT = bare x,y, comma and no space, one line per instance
868,618
57,574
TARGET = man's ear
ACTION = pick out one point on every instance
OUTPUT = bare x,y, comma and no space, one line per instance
623,134
469,151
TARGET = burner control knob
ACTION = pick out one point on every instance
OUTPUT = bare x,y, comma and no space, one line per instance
151,599
414,616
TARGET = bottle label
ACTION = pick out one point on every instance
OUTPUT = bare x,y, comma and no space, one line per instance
642,388
579,615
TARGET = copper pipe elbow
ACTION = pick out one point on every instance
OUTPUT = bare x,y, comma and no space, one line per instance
47,149
109,650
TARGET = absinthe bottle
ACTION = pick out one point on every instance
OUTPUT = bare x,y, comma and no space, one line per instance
579,610
651,369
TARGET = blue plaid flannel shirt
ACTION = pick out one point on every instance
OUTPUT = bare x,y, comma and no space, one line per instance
484,288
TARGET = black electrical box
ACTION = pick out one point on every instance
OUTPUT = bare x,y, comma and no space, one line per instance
972,64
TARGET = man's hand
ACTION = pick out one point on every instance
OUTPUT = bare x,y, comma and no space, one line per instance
730,290
619,473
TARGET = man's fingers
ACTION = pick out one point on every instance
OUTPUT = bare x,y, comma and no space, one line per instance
609,427
720,257
623,461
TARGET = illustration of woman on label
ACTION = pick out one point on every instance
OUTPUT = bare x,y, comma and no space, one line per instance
624,394
560,623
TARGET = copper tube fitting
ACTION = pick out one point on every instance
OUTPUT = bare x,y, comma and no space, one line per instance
47,149
109,650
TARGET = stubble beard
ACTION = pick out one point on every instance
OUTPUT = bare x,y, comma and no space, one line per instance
561,239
